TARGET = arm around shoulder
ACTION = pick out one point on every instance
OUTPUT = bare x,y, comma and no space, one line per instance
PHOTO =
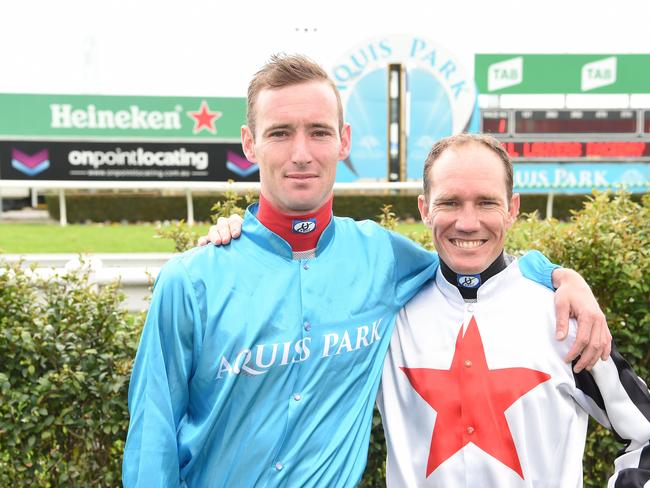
536,267
414,266
573,298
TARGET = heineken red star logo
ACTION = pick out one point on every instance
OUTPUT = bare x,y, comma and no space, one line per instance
204,118
470,400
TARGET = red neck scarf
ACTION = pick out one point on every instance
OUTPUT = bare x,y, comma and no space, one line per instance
300,231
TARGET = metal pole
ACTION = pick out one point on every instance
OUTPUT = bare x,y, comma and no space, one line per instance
34,192
396,135
63,214
190,207
549,206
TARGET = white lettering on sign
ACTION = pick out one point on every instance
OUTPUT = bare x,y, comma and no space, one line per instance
579,179
65,116
531,179
140,157
506,73
598,74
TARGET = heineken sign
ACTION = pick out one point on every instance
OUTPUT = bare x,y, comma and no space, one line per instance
562,73
217,119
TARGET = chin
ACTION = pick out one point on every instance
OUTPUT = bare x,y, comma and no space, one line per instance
301,206
310,203
473,271
466,268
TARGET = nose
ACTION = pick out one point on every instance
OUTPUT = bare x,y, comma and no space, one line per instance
467,219
300,153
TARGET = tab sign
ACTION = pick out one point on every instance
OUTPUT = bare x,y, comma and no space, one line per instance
506,73
598,74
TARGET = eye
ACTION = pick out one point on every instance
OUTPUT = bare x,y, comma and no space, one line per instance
447,204
278,133
488,203
321,133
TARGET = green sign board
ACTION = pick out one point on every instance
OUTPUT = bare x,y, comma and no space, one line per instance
216,119
562,73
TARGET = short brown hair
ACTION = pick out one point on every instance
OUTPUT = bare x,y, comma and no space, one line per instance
286,70
460,140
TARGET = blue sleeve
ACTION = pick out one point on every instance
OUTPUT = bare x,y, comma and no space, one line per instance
414,266
536,267
158,391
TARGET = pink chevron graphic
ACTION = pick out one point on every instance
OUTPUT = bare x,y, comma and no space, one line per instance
30,161
238,160
240,165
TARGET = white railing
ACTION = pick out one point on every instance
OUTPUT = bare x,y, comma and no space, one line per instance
134,271
187,186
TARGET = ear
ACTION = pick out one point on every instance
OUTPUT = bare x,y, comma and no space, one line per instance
346,137
248,143
513,209
424,210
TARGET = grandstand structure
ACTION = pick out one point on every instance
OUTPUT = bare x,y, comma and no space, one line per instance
583,119
571,122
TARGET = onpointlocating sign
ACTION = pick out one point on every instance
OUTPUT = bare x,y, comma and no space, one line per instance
104,161
562,73
123,117
581,178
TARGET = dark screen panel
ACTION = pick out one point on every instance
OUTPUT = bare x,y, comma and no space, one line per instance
575,122
495,122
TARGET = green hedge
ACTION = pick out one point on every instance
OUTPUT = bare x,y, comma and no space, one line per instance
145,207
67,348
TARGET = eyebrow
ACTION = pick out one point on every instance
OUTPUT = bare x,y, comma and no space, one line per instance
453,196
277,127
321,125
315,125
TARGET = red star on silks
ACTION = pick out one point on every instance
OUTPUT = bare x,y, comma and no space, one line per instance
471,400
204,119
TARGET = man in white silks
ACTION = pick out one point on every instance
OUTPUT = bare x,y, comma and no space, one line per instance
475,391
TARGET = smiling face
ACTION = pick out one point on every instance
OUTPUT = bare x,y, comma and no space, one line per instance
297,144
467,208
